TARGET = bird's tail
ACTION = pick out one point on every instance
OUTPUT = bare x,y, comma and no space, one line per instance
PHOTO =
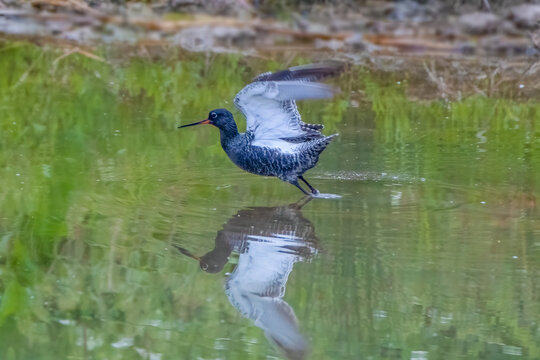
320,144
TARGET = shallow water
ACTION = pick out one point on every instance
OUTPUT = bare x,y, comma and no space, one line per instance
431,251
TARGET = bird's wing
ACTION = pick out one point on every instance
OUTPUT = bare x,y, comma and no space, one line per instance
269,106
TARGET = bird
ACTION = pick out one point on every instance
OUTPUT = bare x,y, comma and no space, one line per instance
269,241
277,142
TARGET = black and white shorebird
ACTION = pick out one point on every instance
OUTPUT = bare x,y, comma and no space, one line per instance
276,142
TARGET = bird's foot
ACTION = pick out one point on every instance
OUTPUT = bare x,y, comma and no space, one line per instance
313,190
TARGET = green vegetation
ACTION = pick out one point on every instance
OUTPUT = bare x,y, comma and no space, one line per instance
433,246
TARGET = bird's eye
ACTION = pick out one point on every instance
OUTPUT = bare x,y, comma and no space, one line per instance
213,115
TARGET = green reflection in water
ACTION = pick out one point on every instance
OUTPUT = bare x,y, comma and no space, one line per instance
432,252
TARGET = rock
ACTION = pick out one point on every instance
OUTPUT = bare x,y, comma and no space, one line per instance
504,46
535,39
333,44
355,43
409,10
479,23
354,23
509,28
238,37
215,39
466,48
525,16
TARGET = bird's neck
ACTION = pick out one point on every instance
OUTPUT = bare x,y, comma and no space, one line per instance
228,132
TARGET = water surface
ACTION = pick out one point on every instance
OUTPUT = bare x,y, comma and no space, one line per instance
432,251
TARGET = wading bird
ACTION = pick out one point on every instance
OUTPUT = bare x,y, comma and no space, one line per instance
277,142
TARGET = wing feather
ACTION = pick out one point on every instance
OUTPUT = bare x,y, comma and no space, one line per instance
270,109
309,72
301,90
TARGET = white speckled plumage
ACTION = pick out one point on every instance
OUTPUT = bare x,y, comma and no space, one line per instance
277,142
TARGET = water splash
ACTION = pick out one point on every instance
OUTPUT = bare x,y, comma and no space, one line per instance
326,196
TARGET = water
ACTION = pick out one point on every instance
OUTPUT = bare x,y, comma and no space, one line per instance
431,250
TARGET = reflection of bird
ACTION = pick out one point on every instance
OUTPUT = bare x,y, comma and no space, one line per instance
269,241
277,142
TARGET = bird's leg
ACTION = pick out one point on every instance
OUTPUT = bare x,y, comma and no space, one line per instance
295,183
313,190
301,203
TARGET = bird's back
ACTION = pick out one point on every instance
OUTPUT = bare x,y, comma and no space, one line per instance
276,161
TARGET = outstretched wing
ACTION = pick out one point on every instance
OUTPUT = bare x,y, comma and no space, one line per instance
268,103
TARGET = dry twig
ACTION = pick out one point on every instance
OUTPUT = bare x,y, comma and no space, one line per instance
74,50
437,80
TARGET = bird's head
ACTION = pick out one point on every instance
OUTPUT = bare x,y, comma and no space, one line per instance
221,118
211,262
212,265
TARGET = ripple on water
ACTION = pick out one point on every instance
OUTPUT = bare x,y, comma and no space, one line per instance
370,176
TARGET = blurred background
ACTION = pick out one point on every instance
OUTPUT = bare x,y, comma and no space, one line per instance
123,237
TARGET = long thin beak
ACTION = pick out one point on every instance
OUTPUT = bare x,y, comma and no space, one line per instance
186,252
205,121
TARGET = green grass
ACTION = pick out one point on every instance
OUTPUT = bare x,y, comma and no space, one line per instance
97,183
